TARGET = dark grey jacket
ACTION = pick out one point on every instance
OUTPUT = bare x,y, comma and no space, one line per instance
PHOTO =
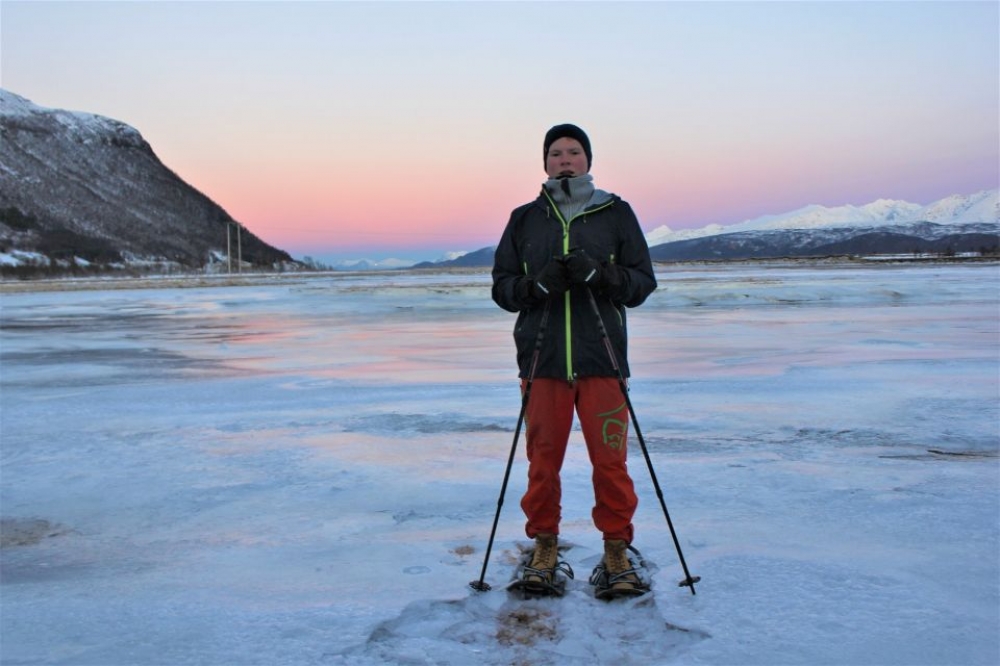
572,346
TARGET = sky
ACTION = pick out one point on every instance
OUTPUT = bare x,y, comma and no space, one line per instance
410,129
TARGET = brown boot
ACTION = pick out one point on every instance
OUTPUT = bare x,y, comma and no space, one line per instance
621,574
541,569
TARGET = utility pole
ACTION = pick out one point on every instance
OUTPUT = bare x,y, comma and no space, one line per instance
239,248
229,251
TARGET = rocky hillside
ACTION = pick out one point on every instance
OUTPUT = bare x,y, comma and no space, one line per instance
82,190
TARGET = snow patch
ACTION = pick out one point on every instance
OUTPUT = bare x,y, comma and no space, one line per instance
23,258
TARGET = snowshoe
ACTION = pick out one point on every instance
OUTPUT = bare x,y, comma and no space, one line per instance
541,573
619,575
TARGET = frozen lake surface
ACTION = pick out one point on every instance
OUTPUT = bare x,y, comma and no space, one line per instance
304,470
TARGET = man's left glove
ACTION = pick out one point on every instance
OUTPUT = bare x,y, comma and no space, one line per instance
584,269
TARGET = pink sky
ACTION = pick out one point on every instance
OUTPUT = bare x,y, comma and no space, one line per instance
337,129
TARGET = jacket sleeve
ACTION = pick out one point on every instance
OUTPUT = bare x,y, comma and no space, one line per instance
635,269
511,287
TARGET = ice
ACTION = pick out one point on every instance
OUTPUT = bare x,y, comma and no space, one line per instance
305,469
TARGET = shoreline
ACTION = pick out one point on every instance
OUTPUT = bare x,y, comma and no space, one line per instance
249,279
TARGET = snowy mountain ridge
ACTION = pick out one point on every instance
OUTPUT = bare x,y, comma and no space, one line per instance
84,127
390,263
966,224
981,207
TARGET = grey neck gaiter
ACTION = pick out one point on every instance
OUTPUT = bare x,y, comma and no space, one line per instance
571,194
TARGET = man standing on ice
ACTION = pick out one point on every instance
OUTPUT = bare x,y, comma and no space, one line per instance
573,243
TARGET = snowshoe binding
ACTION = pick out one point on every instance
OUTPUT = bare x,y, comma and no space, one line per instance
541,573
619,575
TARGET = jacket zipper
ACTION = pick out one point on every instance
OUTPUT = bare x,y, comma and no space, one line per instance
570,374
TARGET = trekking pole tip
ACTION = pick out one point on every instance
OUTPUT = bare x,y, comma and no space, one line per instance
480,586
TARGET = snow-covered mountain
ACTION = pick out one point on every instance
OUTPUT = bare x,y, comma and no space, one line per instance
477,259
955,224
369,264
79,189
959,224
981,207
452,256
384,264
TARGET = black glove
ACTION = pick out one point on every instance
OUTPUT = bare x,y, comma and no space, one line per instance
553,280
584,269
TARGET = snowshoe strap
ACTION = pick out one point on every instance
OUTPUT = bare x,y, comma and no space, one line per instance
622,576
602,579
565,568
549,575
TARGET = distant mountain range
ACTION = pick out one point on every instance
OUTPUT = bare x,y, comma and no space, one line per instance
82,190
958,224
957,209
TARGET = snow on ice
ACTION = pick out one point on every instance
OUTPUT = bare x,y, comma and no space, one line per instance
304,470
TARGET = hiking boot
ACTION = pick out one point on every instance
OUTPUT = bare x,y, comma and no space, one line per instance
541,569
621,574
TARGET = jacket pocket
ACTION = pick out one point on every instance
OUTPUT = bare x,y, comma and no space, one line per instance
526,327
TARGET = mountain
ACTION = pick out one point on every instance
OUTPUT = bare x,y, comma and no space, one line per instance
479,258
359,264
80,189
956,209
918,239
954,225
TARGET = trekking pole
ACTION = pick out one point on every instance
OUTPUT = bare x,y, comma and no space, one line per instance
481,585
689,580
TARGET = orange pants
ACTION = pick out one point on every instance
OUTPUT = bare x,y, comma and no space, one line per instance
604,418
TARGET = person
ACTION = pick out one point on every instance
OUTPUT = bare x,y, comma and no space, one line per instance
573,243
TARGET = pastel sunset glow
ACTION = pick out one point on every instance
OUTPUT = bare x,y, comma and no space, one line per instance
410,129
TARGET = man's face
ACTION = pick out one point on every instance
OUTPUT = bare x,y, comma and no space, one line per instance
565,158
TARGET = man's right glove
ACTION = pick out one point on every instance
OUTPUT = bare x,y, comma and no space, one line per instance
553,280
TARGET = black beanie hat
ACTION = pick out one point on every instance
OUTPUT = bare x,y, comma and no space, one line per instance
571,131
